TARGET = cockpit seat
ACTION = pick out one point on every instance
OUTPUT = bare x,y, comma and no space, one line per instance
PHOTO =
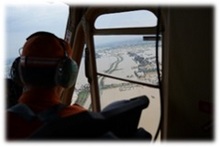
123,118
86,125
118,120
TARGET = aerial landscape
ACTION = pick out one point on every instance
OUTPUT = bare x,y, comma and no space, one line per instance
133,61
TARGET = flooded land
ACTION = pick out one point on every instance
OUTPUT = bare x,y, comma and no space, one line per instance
135,62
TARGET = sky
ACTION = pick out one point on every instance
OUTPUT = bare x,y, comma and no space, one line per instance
23,20
140,18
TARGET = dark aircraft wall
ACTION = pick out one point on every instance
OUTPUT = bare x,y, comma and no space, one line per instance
188,73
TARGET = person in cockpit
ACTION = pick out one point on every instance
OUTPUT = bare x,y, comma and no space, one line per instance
44,69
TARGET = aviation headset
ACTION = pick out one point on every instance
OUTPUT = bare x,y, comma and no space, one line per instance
58,71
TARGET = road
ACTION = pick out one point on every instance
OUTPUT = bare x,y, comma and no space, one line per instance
111,69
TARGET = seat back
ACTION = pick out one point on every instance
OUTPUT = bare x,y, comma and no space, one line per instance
85,125
25,112
123,116
119,120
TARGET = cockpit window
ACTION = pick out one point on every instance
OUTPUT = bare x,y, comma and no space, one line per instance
125,53
140,18
126,61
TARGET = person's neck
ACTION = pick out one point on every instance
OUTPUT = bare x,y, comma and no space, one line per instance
56,90
39,98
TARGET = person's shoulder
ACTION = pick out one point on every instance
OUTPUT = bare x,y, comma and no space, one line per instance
72,110
77,107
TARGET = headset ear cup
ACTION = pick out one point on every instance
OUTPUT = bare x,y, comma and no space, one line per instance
66,73
14,71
